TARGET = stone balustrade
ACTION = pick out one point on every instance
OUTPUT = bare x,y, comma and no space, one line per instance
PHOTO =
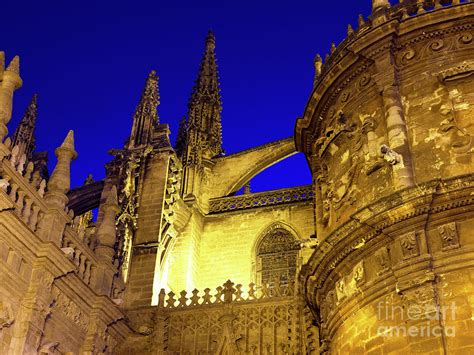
26,190
24,187
79,253
227,293
269,198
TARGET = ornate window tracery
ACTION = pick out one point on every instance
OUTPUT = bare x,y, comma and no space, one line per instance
277,258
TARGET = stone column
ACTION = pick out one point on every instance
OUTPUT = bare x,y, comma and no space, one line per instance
11,81
386,79
398,136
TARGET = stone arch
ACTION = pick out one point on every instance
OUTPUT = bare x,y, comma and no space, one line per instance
275,255
232,172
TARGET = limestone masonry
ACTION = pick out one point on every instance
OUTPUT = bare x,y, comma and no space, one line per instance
375,257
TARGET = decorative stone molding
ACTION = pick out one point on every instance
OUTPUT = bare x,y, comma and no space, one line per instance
410,245
261,199
449,236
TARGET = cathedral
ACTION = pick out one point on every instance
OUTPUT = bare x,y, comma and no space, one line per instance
376,256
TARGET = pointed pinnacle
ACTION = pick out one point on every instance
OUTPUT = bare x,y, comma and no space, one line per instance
152,74
318,64
2,60
211,38
67,146
14,65
89,180
34,99
69,140
350,30
31,112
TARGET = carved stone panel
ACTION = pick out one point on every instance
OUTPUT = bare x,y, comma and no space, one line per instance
449,236
409,245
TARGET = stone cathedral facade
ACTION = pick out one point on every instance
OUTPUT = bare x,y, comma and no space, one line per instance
375,257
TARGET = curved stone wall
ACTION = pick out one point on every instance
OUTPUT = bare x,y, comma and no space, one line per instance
388,131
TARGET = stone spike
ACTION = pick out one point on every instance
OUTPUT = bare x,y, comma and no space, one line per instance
89,180
68,142
14,65
24,135
2,61
333,47
350,30
318,64
60,180
360,20
146,112
205,104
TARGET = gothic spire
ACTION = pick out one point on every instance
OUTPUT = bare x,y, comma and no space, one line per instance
205,104
24,136
146,115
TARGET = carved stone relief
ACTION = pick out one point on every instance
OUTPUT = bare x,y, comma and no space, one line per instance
449,236
409,245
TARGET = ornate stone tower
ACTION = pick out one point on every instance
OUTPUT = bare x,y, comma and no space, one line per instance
200,136
388,133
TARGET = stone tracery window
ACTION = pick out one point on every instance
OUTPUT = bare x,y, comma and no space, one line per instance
277,258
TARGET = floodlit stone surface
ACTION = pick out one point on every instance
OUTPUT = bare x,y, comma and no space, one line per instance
375,257
389,133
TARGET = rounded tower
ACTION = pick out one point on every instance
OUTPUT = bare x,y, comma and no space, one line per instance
389,135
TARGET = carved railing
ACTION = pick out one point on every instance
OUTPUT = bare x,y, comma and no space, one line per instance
268,320
24,187
79,252
402,11
261,199
227,293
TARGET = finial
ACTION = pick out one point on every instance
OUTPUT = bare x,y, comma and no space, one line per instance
333,47
247,188
379,4
68,142
89,180
326,59
2,60
211,38
14,65
60,181
146,112
350,30
361,21
205,106
318,64
24,135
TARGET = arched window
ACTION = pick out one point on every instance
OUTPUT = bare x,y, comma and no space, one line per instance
277,258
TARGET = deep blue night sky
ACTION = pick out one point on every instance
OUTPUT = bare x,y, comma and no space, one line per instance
88,62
